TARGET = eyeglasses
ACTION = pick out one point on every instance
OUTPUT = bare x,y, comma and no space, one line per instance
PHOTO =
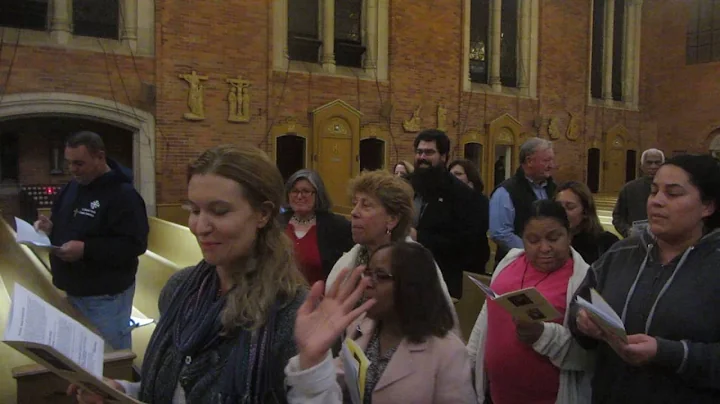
426,152
303,192
377,276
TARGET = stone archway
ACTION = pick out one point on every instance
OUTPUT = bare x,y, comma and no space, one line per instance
140,123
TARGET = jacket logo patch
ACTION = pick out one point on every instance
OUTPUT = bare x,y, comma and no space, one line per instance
94,205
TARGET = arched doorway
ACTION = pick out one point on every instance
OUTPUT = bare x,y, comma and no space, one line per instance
504,138
139,123
617,143
336,145
374,147
631,168
473,148
593,170
290,146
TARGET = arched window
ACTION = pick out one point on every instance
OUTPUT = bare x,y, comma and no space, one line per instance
372,154
290,154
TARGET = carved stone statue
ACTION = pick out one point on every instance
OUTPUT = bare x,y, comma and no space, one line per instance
195,96
442,117
553,129
239,100
413,124
573,129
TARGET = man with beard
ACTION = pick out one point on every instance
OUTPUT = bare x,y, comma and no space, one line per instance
447,219
511,202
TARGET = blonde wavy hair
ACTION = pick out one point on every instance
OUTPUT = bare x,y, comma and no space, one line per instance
275,274
394,193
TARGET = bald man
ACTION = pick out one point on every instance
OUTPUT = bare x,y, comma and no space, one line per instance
631,207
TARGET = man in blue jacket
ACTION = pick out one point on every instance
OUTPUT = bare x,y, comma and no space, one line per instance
100,223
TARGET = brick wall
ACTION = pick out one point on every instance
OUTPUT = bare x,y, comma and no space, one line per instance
234,37
682,98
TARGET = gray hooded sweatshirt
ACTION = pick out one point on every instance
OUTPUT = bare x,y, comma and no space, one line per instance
677,303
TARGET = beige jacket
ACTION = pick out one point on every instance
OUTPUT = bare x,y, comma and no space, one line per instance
436,371
556,342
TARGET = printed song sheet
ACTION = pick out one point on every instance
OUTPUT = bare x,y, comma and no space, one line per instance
26,234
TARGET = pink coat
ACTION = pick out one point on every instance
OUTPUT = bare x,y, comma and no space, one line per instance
436,371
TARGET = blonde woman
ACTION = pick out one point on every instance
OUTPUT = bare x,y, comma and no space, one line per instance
382,213
226,326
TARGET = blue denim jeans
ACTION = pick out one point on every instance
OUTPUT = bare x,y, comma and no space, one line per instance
110,314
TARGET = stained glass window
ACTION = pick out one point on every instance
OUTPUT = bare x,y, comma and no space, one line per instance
703,33
304,30
479,28
348,33
96,18
27,14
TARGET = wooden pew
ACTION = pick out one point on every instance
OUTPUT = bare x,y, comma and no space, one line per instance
18,264
37,385
468,308
173,242
173,212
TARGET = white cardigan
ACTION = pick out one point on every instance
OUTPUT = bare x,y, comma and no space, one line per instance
556,342
348,261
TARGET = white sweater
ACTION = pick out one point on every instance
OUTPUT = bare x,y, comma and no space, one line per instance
556,342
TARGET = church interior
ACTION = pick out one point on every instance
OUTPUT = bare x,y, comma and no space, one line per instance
339,87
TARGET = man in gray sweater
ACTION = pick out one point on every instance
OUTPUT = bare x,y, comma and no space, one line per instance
631,206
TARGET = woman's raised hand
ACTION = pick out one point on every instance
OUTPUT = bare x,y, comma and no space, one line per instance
322,319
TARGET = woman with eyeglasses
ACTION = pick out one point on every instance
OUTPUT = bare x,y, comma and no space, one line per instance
538,362
414,357
319,236
588,236
382,213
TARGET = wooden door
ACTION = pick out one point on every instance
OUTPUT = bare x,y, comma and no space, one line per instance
614,163
335,165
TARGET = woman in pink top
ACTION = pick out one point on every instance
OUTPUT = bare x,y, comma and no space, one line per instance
517,362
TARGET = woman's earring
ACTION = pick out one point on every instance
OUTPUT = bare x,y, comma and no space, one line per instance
387,231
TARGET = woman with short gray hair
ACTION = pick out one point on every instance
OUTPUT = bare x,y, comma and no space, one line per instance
319,236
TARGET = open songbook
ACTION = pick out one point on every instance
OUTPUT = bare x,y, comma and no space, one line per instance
26,234
526,304
58,342
355,365
603,315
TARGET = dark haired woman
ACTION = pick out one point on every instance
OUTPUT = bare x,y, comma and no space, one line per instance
519,362
665,286
468,174
414,358
588,236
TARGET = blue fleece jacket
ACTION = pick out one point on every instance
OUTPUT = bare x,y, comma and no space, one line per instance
109,216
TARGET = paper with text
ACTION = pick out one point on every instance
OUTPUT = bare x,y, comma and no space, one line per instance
34,320
26,234
526,304
355,365
60,343
603,315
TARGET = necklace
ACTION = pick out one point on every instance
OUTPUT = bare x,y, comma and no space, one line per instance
297,220
522,282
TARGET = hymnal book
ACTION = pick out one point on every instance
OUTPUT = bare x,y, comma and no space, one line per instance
60,343
355,365
603,315
26,234
525,304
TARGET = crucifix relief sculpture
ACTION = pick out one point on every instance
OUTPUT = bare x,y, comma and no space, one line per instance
413,124
239,100
195,96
